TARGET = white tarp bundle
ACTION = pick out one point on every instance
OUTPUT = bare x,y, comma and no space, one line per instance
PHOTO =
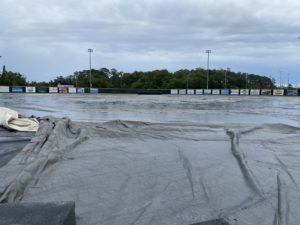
134,173
10,119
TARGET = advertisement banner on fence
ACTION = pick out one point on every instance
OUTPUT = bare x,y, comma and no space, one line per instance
199,92
254,92
174,92
292,92
190,92
182,91
93,90
80,90
244,92
266,92
72,90
224,92
234,91
30,89
4,89
53,90
63,90
42,90
279,92
215,91
207,91
17,89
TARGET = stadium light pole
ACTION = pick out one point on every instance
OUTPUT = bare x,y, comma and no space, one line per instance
227,70
207,75
280,72
0,58
90,60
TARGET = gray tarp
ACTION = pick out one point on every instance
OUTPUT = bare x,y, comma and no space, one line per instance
152,173
11,143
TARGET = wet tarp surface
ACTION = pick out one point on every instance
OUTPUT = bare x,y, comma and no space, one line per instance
56,213
163,108
122,172
11,143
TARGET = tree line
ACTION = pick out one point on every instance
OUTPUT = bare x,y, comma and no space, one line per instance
156,79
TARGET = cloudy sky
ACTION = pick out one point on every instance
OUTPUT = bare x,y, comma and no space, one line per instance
46,38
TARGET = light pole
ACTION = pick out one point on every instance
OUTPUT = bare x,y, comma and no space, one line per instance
90,57
227,69
288,84
0,58
187,82
76,74
280,77
207,75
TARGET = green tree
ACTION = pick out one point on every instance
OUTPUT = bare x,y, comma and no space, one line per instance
12,79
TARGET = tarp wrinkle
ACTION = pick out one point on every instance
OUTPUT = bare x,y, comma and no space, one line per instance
123,172
53,140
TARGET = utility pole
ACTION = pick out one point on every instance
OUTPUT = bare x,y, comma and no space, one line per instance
90,59
288,84
207,75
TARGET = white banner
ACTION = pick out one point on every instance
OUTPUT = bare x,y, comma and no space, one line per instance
234,91
207,91
30,89
266,92
244,92
215,91
174,92
254,92
182,91
190,92
4,89
72,90
53,90
278,92
199,92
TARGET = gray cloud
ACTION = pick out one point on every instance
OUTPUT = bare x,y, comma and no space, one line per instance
43,39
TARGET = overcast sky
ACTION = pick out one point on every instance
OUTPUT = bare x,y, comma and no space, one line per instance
43,39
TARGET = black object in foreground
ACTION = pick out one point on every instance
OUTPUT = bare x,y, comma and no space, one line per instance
213,222
37,213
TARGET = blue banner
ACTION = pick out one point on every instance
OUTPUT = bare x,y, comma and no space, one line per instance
17,89
80,90
224,92
93,90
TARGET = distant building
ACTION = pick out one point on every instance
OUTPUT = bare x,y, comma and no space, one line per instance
65,83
